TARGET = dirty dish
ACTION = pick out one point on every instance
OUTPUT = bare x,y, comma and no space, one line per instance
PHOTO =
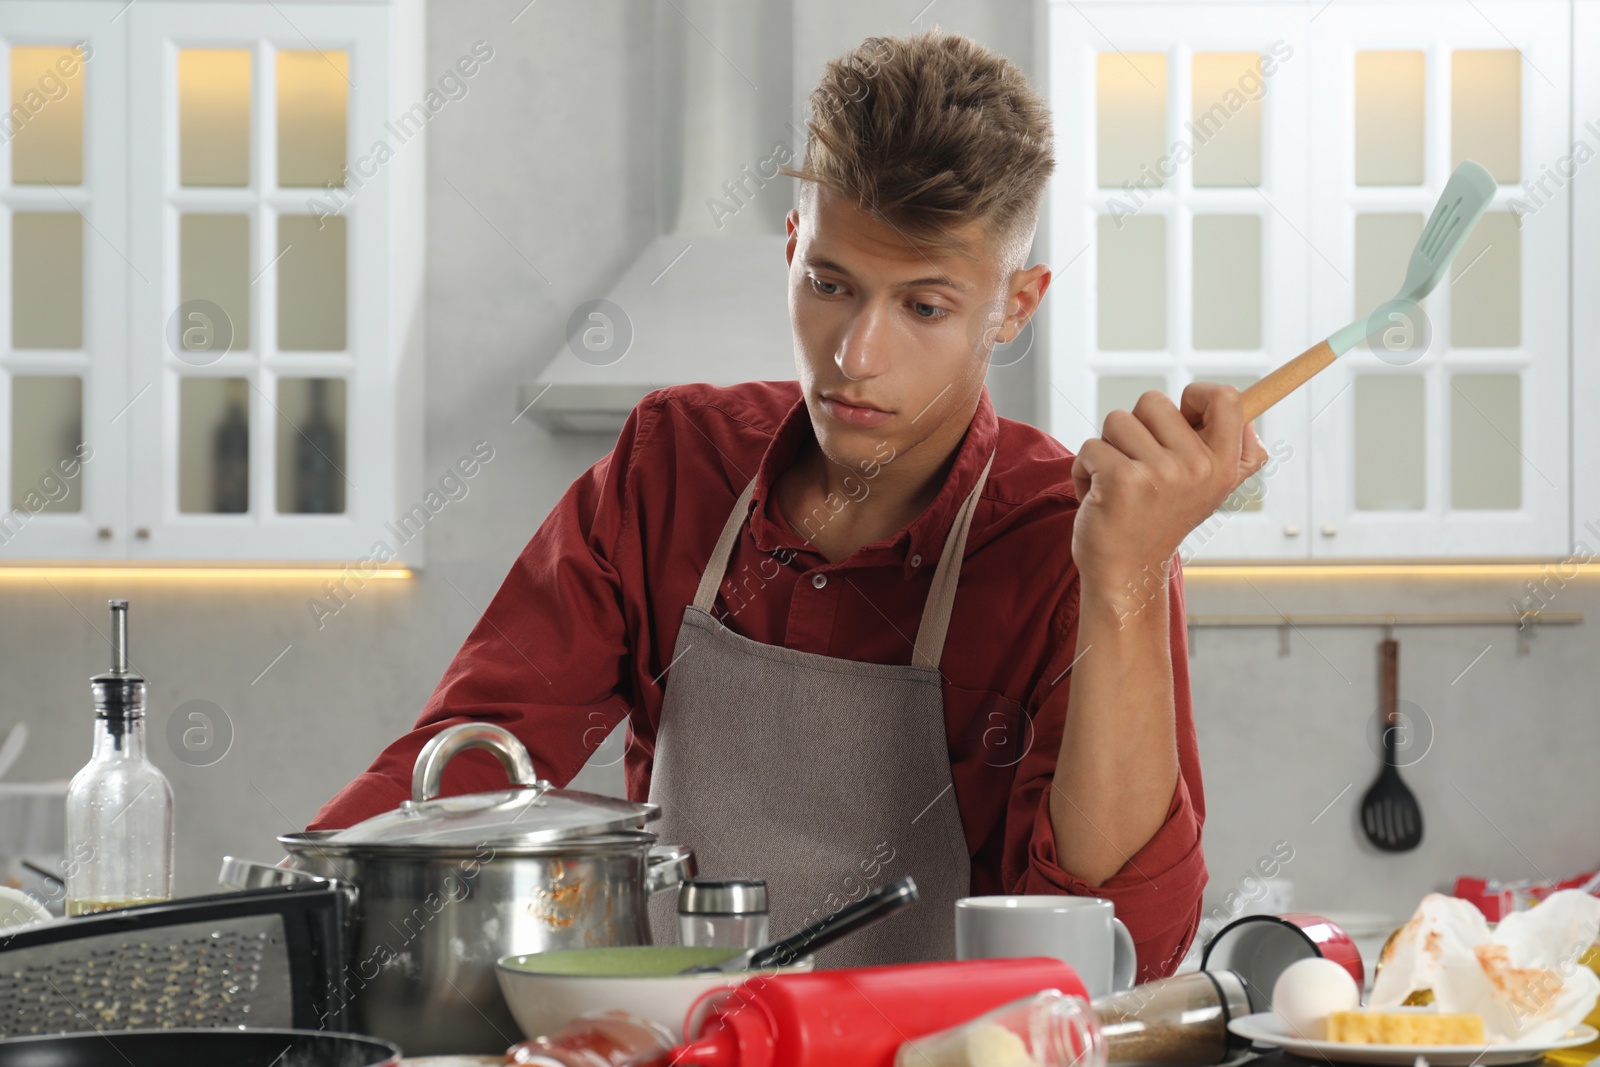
546,990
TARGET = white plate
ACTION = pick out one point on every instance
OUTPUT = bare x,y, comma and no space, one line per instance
1363,924
1268,1029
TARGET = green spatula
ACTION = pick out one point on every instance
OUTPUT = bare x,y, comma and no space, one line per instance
1463,201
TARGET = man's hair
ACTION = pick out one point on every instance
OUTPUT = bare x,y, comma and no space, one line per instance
930,132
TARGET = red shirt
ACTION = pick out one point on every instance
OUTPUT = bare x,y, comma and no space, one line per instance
581,633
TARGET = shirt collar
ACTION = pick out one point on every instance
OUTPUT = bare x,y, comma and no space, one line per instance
923,540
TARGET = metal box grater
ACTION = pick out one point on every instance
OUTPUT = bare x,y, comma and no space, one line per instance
259,958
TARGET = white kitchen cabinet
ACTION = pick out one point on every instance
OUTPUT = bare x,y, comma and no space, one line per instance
246,335
1284,158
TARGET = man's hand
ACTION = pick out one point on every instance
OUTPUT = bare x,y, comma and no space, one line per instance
1155,474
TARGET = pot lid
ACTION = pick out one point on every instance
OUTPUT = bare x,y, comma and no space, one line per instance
533,811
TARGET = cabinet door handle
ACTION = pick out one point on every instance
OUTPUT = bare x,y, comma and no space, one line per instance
142,533
1291,530
1330,530
104,533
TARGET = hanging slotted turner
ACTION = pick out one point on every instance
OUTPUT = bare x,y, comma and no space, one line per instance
1460,205
1389,813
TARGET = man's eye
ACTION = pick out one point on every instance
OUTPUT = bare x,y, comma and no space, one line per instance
937,312
817,283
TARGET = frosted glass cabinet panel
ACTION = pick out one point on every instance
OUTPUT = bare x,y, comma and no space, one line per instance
1387,90
47,87
1226,112
1241,180
213,93
213,446
311,283
1486,285
46,434
214,268
311,446
47,279
1133,282
1227,281
1486,110
1131,120
1485,426
1392,448
313,111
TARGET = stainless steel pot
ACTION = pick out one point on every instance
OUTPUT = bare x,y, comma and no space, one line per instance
443,888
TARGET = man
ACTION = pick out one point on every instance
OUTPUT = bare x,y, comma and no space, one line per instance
859,626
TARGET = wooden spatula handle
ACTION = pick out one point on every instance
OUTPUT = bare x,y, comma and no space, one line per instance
1286,379
1389,682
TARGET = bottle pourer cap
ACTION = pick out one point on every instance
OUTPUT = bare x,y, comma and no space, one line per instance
119,692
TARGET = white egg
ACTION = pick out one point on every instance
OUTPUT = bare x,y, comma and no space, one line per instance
1308,991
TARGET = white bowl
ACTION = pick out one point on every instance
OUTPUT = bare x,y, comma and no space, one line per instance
547,990
18,909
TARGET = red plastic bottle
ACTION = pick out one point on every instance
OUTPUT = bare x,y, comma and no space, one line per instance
855,1016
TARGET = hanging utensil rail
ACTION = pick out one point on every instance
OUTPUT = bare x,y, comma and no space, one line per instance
1524,624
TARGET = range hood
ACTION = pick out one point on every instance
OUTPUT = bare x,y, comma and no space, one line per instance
706,300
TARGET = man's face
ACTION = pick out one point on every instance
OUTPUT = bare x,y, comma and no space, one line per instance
890,341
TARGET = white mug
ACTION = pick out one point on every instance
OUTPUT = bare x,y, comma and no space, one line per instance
1083,931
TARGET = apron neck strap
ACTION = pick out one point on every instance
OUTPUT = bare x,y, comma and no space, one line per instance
941,598
705,595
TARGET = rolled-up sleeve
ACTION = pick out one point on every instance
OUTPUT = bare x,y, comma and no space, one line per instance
1157,891
548,660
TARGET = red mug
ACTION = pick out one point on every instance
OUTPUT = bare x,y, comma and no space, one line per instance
1261,947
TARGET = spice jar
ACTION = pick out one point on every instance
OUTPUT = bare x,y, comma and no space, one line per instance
728,912
1180,1021
598,1039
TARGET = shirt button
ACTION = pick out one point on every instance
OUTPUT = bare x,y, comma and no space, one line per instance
819,580
916,561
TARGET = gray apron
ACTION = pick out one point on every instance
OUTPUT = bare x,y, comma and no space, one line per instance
827,777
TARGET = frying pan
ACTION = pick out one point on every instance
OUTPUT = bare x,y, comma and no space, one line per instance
200,1048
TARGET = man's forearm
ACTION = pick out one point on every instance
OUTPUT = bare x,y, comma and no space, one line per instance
1118,764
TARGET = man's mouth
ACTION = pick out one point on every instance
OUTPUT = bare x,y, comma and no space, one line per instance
854,412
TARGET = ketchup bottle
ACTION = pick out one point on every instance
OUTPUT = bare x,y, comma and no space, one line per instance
855,1016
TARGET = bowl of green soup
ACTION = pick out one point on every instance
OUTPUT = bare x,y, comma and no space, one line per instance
546,990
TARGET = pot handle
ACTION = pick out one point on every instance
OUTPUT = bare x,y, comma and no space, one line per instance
447,743
242,874
668,867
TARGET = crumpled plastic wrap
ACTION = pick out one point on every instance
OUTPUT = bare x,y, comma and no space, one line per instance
1522,977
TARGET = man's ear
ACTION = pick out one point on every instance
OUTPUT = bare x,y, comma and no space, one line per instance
792,226
1027,293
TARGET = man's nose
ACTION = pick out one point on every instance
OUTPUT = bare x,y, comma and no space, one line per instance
861,352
